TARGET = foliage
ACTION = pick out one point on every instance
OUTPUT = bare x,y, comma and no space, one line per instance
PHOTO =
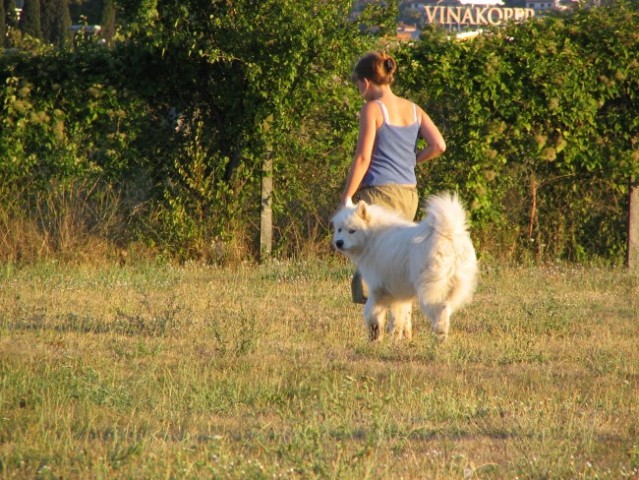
250,76
3,24
107,20
10,13
179,113
61,121
9,22
540,124
56,22
89,11
62,125
30,19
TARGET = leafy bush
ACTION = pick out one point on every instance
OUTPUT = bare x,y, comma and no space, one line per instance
178,117
541,130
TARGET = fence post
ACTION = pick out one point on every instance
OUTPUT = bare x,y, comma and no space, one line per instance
266,209
633,227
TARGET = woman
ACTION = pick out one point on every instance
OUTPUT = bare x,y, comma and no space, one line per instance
383,168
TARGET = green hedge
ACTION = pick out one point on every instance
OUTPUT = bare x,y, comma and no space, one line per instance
542,126
172,124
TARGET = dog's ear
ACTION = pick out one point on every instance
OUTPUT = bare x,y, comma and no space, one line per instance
362,209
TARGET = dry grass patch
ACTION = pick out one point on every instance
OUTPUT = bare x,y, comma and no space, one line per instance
265,372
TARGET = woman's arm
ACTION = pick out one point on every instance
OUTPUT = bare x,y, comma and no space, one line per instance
362,159
435,144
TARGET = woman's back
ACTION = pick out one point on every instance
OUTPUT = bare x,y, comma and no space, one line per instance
400,112
393,156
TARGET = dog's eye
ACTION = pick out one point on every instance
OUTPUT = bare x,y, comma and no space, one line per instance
339,230
351,231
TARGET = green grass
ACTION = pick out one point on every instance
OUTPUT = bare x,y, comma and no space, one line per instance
265,372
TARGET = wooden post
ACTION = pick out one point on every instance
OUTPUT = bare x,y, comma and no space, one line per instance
266,213
633,227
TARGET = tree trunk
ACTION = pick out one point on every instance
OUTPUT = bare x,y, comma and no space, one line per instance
266,214
633,227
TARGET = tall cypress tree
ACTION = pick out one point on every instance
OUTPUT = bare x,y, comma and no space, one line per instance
30,19
3,25
47,17
11,14
11,20
107,20
56,22
62,36
64,24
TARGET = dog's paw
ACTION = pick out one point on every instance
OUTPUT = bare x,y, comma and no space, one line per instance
408,334
374,333
441,337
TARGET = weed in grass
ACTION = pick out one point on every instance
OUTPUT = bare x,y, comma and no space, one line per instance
157,319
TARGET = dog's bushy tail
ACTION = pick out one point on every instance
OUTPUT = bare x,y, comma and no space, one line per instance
445,214
448,280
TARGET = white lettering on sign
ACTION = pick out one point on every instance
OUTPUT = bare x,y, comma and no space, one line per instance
475,16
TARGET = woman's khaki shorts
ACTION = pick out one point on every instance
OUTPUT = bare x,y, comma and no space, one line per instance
399,198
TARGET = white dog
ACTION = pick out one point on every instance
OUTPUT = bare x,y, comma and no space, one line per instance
433,260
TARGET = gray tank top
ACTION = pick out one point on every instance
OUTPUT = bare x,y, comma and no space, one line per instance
394,157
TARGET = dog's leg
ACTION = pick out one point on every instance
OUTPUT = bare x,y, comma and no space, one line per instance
375,317
460,292
439,316
441,322
408,321
394,319
400,320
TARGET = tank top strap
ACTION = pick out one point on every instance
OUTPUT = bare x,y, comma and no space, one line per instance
384,111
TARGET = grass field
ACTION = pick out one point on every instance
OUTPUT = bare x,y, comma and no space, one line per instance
265,372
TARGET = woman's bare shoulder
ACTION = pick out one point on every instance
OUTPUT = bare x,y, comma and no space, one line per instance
370,111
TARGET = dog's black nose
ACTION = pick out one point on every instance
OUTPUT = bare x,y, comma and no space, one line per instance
339,244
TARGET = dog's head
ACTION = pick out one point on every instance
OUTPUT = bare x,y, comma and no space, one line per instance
349,228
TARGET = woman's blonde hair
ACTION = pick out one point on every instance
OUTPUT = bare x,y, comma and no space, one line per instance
377,67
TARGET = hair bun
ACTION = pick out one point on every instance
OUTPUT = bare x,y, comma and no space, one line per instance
378,67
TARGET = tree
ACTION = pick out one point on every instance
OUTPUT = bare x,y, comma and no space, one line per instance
10,17
107,20
30,19
3,25
87,10
536,115
56,22
138,15
10,13
247,78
